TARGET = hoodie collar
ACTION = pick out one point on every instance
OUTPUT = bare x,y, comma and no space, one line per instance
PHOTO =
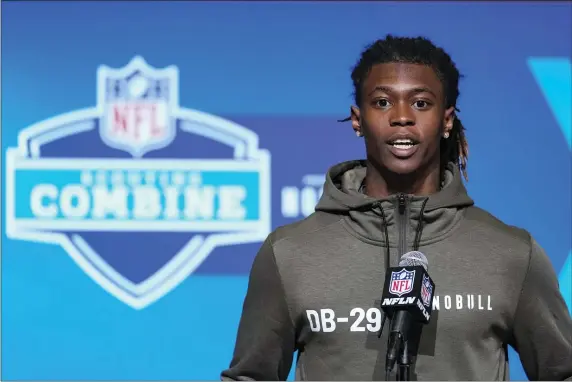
438,212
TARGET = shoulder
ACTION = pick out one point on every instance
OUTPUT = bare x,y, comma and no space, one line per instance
292,246
303,229
512,244
482,221
511,249
290,240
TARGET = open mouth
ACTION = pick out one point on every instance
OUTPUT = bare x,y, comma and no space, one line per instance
403,144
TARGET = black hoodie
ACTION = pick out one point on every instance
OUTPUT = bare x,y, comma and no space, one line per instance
315,287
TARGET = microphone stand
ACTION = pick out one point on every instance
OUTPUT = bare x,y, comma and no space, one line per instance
404,364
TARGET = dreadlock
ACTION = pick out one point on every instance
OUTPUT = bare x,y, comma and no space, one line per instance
420,50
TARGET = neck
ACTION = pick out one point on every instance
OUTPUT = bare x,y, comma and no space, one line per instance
381,183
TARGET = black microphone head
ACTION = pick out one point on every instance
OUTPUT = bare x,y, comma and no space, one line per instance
414,259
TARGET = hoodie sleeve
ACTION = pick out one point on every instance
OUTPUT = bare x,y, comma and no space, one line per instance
542,328
265,341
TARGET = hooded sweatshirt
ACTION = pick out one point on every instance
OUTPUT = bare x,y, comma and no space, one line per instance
315,288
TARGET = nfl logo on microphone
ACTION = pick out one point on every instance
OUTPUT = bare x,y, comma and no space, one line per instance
426,291
138,190
401,282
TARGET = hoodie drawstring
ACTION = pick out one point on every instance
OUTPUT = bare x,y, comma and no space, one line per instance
384,228
387,258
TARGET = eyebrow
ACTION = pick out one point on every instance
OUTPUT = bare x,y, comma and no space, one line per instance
419,89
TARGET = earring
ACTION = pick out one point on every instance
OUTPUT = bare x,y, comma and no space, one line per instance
446,135
358,133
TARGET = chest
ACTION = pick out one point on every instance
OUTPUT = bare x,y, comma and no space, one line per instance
338,299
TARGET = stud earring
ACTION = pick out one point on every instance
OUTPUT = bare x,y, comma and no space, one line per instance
446,135
358,133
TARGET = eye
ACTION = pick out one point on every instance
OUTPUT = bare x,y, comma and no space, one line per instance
382,103
421,104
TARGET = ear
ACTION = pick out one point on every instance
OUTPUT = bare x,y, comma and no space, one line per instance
356,120
448,120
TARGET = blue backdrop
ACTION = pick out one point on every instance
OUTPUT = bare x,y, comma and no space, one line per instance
80,296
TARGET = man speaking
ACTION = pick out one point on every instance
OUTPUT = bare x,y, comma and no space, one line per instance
316,286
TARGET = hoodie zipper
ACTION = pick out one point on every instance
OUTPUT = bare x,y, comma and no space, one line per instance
402,225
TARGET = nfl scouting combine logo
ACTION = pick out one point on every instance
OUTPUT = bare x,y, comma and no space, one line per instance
138,190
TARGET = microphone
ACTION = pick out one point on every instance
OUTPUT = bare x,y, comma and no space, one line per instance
407,298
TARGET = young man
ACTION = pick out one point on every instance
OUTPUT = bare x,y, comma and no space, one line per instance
315,285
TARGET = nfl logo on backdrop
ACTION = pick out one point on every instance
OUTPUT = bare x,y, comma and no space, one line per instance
135,105
138,191
426,291
401,282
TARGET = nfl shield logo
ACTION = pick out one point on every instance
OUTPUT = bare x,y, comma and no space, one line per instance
401,282
426,291
135,102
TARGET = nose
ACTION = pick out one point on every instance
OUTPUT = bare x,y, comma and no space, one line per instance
402,115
